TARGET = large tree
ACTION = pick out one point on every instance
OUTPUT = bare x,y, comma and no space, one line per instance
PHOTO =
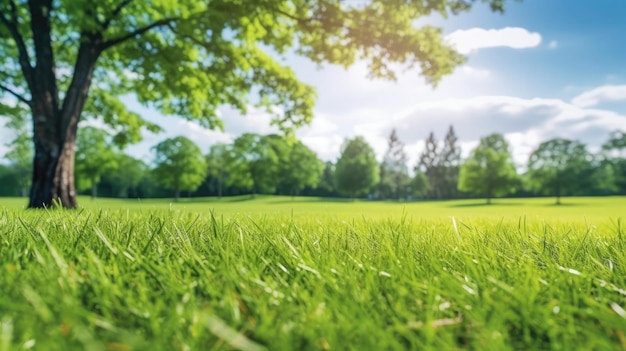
179,165
189,57
394,172
489,171
560,167
356,172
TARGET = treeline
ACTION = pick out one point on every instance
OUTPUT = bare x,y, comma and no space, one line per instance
272,164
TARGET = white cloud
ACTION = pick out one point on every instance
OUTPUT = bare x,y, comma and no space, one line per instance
601,94
203,137
469,40
553,44
475,72
322,136
256,121
326,147
524,122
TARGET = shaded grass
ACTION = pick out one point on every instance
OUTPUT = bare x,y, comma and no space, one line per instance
187,279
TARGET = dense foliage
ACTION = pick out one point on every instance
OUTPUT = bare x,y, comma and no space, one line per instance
274,164
490,170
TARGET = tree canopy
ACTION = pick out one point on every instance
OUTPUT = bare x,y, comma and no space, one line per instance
67,60
489,171
255,162
357,170
180,165
299,168
559,167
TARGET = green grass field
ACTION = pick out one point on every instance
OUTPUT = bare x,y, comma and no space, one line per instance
280,274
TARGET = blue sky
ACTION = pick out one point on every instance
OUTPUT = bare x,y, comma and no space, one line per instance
544,69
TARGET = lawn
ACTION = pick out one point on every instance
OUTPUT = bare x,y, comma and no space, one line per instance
572,209
281,274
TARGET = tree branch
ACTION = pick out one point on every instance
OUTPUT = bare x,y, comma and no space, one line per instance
138,32
24,58
115,13
18,96
300,20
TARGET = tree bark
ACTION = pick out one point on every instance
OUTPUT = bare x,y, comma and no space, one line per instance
176,195
54,126
53,166
54,132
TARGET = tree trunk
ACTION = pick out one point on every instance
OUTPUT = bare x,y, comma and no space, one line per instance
176,195
53,167
54,128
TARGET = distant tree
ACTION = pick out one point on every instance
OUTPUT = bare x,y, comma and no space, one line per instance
604,176
327,181
179,165
449,163
9,185
300,168
394,173
95,156
614,150
217,165
489,171
356,172
428,164
419,185
129,173
255,162
560,167
20,154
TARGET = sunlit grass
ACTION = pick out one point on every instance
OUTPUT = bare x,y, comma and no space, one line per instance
573,208
285,275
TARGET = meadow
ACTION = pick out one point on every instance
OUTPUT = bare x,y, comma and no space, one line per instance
278,273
